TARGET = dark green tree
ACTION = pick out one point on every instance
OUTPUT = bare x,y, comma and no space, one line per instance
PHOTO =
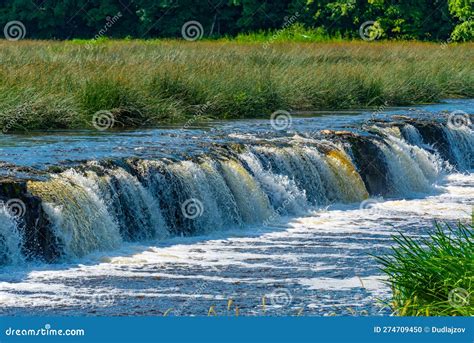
398,19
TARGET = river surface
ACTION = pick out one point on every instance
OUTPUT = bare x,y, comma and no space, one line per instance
283,222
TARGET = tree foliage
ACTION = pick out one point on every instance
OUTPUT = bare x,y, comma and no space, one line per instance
462,10
399,19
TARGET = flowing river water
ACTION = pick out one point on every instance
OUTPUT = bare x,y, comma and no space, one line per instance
252,217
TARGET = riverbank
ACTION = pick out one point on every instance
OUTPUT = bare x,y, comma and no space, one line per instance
66,85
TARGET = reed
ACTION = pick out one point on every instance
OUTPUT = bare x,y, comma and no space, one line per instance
432,276
54,85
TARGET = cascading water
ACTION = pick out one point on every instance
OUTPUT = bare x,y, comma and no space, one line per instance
283,192
252,202
293,163
349,183
80,219
412,136
412,169
100,204
131,205
461,142
10,238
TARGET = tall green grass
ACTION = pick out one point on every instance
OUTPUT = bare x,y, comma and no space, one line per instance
49,84
433,276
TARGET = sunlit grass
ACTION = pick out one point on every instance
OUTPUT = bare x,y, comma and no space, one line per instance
433,276
46,84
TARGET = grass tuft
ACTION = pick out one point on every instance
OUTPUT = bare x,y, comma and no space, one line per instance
433,276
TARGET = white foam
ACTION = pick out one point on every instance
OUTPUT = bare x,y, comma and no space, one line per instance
319,259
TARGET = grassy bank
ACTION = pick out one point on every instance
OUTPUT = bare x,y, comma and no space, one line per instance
433,276
63,84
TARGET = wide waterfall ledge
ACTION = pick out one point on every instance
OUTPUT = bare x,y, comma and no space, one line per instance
74,208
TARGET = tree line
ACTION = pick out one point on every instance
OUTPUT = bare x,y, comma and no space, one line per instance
437,20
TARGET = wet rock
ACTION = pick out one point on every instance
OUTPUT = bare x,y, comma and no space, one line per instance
402,118
434,135
337,133
371,165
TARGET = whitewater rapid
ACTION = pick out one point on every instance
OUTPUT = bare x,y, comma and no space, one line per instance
264,221
317,264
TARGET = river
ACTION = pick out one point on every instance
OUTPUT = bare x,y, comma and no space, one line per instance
250,217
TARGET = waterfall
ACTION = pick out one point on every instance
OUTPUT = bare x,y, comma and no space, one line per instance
193,197
348,181
79,218
461,142
282,190
129,204
294,163
10,238
253,203
98,205
412,169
